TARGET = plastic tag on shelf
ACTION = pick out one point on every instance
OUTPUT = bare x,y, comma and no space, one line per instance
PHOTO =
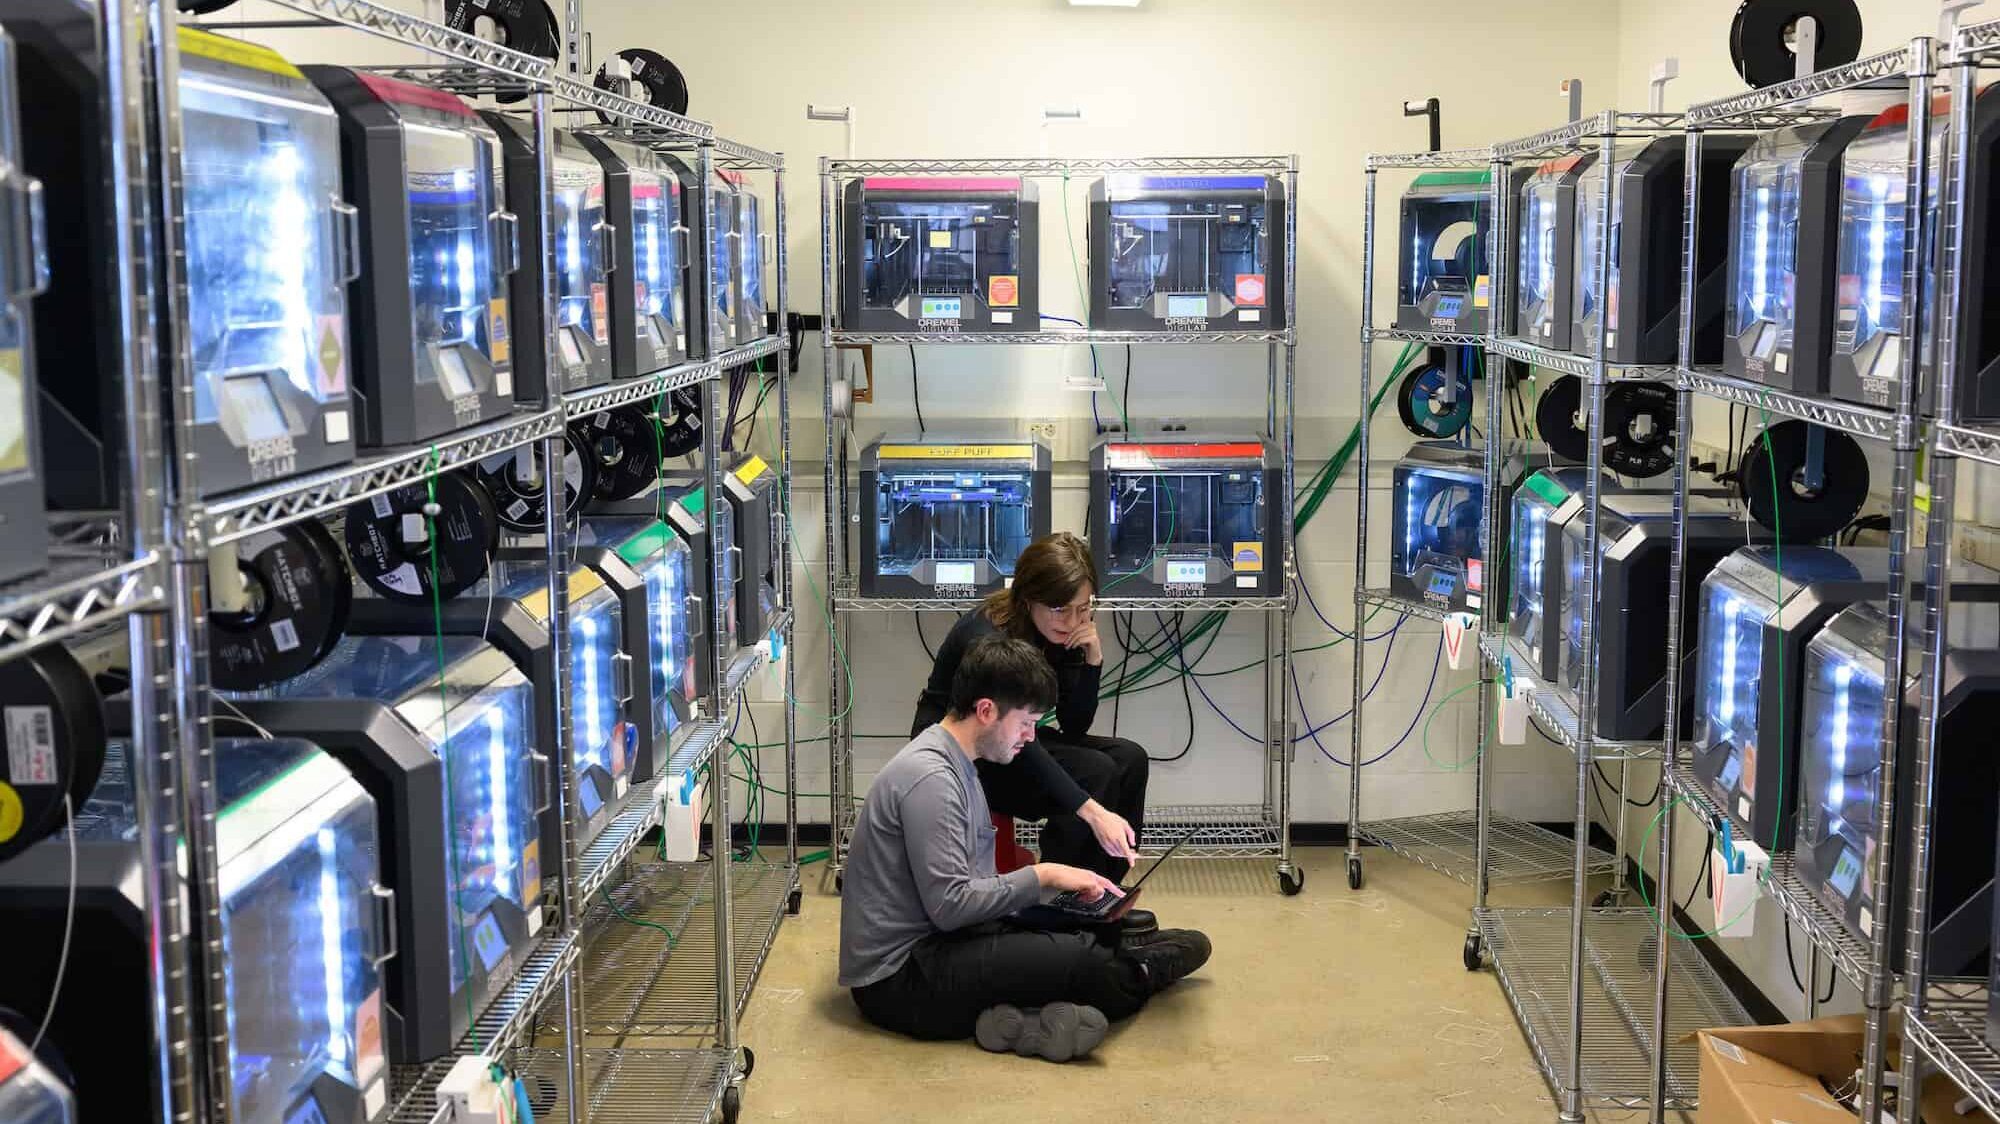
1513,707
1737,878
1461,638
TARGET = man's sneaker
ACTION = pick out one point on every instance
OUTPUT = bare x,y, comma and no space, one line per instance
1058,1032
1169,955
1138,921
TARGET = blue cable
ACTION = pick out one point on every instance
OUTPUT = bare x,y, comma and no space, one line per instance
1312,730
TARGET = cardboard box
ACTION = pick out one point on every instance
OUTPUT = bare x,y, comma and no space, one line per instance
1780,1074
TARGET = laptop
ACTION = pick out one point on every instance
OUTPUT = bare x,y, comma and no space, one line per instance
1108,907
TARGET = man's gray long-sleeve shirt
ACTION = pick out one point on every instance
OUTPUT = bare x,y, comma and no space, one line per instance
921,861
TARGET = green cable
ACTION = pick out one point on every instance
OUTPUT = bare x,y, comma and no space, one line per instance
444,705
605,892
1433,714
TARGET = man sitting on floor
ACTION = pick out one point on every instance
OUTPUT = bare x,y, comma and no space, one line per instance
928,942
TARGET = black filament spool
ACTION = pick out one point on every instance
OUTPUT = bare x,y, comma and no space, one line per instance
1639,420
1796,513
399,568
296,596
661,83
54,731
626,444
516,482
528,26
1762,52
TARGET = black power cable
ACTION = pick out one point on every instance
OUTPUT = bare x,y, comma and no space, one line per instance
917,391
918,620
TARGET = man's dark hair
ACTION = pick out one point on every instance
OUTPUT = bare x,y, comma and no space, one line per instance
1008,671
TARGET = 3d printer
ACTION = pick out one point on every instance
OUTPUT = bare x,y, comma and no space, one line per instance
304,938
1543,502
582,278
1759,608
1439,491
647,287
441,753
24,549
752,310
1187,253
939,254
753,486
672,614
1444,276
725,264
1841,773
510,609
1193,517
436,247
1635,554
269,256
682,506
944,518
1645,188
1867,340
1546,252
1783,225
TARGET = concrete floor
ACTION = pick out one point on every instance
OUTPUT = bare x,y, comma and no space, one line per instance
1332,1005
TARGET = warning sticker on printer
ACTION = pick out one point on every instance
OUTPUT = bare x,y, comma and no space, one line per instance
1003,290
940,239
1482,292
1475,575
332,358
1250,288
600,314
497,316
1248,557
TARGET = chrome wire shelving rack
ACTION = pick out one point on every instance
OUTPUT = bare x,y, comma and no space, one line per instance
149,561
1234,831
1946,1022
1476,847
1861,959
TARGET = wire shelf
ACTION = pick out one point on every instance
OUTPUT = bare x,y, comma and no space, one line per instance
1752,110
597,399
638,984
1516,851
664,124
1062,336
73,598
1554,709
618,840
1475,159
1397,603
629,1086
410,30
1584,134
1860,421
756,349
1222,831
1566,363
736,154
1970,442
1951,1034
1434,339
325,493
847,599
1047,167
1530,952
1827,930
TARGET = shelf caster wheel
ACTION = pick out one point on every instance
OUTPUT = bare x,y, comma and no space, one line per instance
749,1062
1354,878
1606,899
732,1104
1475,952
792,902
1291,881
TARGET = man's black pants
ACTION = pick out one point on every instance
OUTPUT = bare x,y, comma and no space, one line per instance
1112,770
950,978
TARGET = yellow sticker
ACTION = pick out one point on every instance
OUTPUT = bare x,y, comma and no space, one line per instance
953,452
582,583
1248,557
11,815
332,361
750,470
13,411
531,872
940,239
503,348
236,52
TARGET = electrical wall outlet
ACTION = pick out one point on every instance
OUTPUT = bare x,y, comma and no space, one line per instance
1046,430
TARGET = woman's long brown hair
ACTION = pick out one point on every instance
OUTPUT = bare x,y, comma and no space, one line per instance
1050,572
